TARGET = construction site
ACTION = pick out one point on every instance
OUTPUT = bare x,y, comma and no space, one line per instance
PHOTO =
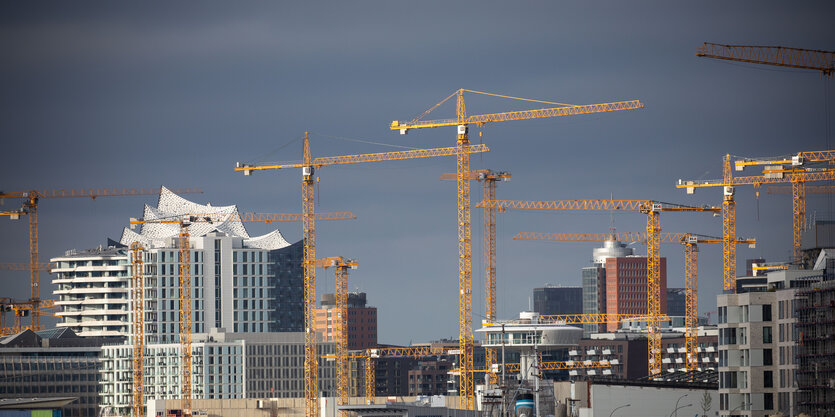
380,296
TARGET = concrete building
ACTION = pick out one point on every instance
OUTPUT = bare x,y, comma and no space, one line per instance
52,364
558,300
224,366
362,321
93,292
626,286
757,344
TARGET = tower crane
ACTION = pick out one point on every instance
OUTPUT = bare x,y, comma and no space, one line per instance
462,121
652,209
341,266
810,189
21,309
823,61
308,165
30,207
489,179
184,272
138,328
689,241
798,177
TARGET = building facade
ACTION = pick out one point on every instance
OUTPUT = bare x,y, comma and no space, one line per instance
224,366
53,363
93,292
558,300
626,286
815,313
594,282
362,321
757,346
429,377
676,302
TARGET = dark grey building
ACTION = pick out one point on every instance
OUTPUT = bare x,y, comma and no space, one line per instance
52,363
676,302
558,300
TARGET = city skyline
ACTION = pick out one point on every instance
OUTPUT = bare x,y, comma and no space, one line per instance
174,95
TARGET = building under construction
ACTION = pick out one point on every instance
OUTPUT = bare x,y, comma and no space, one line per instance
815,311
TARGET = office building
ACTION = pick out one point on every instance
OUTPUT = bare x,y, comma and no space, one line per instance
54,363
553,300
224,366
626,286
594,282
361,324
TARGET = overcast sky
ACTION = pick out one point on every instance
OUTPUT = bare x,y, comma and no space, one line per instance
160,93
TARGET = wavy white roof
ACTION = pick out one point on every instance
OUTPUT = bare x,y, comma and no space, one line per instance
224,219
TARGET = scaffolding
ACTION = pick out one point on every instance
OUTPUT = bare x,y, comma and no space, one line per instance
815,311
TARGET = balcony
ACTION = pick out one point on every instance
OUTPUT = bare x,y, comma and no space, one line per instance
607,351
591,352
573,353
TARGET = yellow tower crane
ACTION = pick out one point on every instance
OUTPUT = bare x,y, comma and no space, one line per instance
652,209
184,272
138,328
462,122
308,165
341,266
798,177
689,241
30,207
489,179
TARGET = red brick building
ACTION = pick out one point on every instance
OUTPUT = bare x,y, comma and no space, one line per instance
362,321
626,286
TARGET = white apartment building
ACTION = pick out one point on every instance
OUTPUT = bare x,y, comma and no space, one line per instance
224,366
93,292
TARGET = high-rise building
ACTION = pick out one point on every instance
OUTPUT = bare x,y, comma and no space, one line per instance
362,321
594,282
757,344
626,286
558,300
239,282
93,292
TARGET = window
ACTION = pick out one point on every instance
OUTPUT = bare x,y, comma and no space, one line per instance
767,312
766,332
768,401
768,380
767,360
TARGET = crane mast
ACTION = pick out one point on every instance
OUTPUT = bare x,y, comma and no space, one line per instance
138,336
